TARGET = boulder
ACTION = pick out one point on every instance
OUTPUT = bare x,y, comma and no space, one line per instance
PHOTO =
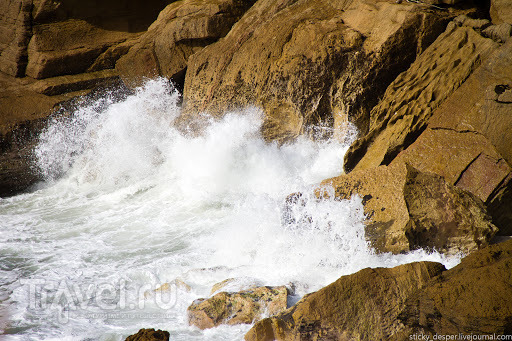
309,62
149,335
244,307
361,306
410,101
472,298
182,28
407,209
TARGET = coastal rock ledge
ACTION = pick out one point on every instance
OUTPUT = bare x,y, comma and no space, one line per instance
392,304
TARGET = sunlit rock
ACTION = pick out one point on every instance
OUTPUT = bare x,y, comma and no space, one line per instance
407,209
362,306
244,307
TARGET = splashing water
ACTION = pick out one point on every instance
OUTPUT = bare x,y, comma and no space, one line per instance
130,203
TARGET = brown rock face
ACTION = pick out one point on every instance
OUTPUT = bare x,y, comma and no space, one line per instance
15,31
309,62
244,307
362,306
469,161
501,11
181,29
149,335
411,99
472,298
468,138
46,38
407,209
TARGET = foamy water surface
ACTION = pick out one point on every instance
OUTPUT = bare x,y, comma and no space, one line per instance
130,203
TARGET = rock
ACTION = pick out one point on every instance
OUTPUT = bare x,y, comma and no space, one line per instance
464,20
221,285
468,161
407,209
412,98
24,113
244,307
181,29
361,306
501,11
481,108
63,84
169,287
15,32
307,62
90,30
149,335
499,33
472,298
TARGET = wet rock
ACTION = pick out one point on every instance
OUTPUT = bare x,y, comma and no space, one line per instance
244,307
149,335
169,287
307,62
182,29
407,209
412,98
24,112
235,285
472,298
361,306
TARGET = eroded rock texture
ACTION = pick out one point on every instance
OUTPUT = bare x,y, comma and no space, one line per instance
309,62
410,101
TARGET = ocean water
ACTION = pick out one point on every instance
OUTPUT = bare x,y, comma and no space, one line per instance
130,203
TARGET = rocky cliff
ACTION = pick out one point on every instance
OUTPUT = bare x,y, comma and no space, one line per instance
428,84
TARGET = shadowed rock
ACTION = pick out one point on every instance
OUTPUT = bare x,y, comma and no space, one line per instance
149,335
182,29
